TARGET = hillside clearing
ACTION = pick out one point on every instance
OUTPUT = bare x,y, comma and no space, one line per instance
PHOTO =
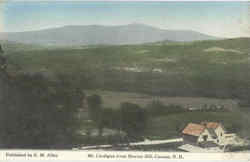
219,49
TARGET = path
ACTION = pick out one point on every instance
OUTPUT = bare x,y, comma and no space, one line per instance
143,143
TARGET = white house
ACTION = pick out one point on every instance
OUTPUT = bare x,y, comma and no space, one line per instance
218,130
205,134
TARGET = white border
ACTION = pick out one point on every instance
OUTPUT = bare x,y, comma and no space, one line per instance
55,155
117,155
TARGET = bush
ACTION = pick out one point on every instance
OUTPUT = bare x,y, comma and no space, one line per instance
157,108
133,119
231,148
111,118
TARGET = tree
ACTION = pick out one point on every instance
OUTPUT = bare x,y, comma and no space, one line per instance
133,119
3,64
95,110
39,114
156,107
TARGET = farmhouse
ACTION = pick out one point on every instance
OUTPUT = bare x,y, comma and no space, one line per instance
205,134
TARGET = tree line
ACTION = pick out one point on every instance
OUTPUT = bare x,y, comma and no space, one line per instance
130,118
36,112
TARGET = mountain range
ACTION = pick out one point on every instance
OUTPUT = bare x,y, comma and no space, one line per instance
75,35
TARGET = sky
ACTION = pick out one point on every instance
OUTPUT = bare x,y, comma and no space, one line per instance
221,19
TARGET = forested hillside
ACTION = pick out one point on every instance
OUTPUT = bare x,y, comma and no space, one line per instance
204,68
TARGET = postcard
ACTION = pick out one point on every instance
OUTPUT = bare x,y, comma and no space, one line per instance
124,80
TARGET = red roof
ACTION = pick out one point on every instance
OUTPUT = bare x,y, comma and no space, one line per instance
194,129
212,125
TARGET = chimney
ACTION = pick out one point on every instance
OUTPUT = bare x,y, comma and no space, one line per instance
204,123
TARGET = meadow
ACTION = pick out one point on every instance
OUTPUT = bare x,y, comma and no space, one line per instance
113,99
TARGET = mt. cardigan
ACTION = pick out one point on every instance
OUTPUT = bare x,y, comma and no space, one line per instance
102,35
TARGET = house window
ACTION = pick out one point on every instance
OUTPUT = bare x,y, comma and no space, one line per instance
204,138
218,141
221,134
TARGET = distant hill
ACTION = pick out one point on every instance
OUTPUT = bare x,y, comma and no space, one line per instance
16,46
103,35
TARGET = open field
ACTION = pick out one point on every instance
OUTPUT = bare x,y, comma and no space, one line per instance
113,99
